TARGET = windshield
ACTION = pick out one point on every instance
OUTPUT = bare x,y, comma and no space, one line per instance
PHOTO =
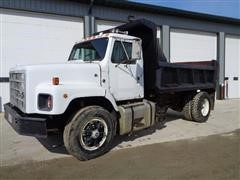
93,50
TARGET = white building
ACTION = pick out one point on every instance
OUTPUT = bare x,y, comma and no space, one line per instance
44,31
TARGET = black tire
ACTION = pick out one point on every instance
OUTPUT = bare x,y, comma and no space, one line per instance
187,109
197,105
76,133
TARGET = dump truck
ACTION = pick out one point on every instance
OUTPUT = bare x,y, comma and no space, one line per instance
115,82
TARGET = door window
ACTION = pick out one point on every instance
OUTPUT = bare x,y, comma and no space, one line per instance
122,52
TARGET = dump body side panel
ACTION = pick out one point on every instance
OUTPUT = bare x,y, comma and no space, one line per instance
175,77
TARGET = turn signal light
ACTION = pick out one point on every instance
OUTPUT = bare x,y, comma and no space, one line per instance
55,80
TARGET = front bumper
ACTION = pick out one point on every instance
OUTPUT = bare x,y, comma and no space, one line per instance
24,124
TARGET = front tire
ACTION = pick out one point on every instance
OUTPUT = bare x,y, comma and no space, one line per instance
90,133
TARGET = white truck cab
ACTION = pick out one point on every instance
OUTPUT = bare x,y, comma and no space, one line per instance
95,68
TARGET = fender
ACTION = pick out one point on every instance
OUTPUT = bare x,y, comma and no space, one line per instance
63,95
109,96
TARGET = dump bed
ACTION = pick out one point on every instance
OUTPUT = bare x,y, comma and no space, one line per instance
173,77
161,76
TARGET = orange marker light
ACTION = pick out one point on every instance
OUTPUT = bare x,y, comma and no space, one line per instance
55,80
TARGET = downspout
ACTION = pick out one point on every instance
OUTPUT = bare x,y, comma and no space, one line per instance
89,21
90,8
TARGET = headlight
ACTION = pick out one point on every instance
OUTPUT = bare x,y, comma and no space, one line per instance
45,102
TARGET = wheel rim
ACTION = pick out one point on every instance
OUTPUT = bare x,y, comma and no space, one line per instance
205,107
93,134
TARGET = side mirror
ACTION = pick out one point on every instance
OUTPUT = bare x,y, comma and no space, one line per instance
136,49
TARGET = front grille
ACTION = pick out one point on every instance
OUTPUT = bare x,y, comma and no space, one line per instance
17,89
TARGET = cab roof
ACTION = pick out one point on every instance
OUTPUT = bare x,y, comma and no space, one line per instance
112,34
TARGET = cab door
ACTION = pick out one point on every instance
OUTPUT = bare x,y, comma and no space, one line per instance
125,74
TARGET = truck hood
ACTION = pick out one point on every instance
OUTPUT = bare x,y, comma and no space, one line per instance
74,77
67,73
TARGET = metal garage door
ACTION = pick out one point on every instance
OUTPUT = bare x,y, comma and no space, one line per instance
232,66
102,25
186,45
33,38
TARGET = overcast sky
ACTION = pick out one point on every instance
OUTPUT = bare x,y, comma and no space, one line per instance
228,8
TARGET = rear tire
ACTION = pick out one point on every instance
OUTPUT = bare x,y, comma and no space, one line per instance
187,109
90,133
201,107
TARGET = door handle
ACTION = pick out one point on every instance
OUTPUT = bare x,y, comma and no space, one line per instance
235,78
